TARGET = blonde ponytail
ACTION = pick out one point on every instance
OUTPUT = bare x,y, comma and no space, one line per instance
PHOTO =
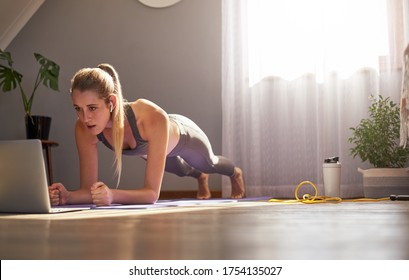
118,117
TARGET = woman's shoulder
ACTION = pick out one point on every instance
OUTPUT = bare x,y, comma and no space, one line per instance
144,106
141,102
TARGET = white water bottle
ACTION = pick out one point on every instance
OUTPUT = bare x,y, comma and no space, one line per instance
332,176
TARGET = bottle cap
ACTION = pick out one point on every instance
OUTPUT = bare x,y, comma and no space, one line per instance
331,160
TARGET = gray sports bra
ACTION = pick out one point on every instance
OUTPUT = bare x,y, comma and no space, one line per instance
141,148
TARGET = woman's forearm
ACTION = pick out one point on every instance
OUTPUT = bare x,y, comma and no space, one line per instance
81,196
144,195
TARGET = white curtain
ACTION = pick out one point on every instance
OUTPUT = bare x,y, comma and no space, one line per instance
297,74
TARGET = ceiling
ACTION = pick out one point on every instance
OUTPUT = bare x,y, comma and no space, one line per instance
14,14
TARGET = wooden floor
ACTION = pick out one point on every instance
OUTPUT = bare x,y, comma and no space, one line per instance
244,230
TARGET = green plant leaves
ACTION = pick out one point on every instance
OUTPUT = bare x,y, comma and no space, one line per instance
6,56
376,138
49,72
9,79
47,75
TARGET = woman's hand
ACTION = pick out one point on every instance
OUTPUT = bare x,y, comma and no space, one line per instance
101,194
58,194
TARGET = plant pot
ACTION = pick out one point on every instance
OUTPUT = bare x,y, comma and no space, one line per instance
38,127
382,182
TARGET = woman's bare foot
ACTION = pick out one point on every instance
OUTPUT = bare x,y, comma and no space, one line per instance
203,191
237,184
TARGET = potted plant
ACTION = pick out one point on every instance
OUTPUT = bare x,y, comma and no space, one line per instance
10,79
376,140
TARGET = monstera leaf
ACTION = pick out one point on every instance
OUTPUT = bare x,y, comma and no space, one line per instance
49,72
10,79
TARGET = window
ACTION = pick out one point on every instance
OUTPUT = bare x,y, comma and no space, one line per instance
294,37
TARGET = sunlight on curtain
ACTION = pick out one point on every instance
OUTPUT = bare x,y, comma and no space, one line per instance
296,75
293,37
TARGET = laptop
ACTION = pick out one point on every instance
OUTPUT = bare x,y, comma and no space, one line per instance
23,179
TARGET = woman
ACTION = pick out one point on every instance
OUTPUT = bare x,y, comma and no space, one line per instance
170,143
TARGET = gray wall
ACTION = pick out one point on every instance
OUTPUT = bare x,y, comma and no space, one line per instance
170,56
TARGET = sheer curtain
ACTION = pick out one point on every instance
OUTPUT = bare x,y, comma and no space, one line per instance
296,76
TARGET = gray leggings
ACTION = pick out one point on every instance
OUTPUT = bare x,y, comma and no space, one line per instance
193,154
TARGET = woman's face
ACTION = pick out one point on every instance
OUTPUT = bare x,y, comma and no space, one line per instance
92,111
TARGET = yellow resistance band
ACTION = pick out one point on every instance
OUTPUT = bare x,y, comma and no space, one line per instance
309,199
